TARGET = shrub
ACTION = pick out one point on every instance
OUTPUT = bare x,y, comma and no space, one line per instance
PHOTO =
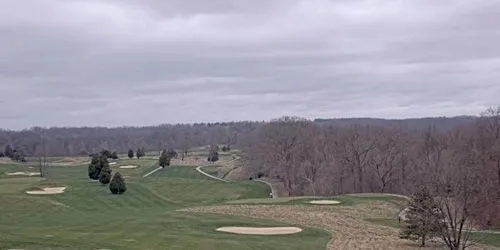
97,163
105,175
113,155
164,160
117,184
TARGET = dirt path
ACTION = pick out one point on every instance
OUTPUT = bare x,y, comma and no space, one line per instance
209,175
152,172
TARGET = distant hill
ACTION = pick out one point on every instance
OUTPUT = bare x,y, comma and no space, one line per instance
440,123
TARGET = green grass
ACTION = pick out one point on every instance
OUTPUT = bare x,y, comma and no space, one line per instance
211,170
492,239
87,216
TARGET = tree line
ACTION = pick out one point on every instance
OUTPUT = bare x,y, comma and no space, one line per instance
91,140
312,158
88,140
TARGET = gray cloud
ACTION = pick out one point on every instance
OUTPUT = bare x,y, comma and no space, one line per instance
131,62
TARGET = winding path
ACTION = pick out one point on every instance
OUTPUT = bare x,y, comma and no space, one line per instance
152,172
209,175
273,191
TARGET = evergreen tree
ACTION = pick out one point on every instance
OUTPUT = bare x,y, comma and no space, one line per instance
106,153
213,153
226,148
171,153
113,155
97,163
105,175
140,153
117,184
164,159
130,153
422,217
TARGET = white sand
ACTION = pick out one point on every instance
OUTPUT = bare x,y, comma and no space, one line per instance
128,167
52,190
260,230
112,163
325,202
24,173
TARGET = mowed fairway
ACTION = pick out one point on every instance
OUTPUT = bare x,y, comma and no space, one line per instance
87,216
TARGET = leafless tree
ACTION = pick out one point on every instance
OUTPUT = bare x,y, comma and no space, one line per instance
385,158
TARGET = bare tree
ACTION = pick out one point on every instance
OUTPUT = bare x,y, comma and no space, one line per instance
42,158
358,143
385,158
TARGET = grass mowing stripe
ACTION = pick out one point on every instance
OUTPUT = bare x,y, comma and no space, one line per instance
145,214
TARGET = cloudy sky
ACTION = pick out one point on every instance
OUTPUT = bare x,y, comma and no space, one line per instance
137,62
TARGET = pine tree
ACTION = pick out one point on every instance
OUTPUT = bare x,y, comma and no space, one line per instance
114,155
98,162
140,153
213,153
164,159
105,175
171,153
117,184
130,153
422,218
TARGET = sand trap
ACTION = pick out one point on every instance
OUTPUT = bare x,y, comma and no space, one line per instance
260,230
128,167
51,190
112,163
24,173
325,202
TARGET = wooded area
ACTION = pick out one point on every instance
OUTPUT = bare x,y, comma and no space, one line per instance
323,159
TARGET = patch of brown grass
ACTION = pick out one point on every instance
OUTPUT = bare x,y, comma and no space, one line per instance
346,223
71,161
225,164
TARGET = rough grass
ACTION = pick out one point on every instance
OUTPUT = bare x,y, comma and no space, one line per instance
346,200
87,216
491,239
353,226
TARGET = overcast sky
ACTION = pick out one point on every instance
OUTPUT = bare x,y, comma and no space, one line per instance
138,62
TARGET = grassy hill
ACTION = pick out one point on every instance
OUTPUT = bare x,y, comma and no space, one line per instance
180,208
87,216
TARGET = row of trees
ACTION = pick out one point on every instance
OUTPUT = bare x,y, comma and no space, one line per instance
99,170
322,159
141,152
88,140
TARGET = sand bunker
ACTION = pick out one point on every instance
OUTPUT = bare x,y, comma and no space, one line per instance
260,230
24,173
48,190
128,167
112,163
325,202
